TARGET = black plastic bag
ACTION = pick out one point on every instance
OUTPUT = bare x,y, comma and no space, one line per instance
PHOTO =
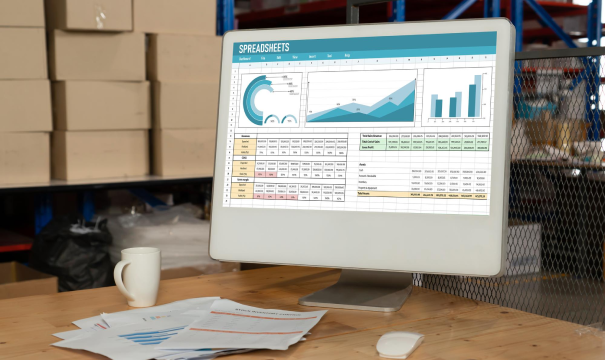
75,251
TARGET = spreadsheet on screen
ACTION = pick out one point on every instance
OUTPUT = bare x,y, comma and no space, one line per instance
382,124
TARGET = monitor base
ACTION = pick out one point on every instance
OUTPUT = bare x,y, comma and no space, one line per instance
364,290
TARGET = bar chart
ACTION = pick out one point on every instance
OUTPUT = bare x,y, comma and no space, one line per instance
457,97
455,103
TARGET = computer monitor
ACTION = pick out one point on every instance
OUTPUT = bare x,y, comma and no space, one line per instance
381,149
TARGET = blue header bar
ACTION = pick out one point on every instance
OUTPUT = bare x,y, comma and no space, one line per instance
478,50
367,47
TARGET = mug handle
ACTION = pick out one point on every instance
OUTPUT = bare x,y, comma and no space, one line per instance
117,276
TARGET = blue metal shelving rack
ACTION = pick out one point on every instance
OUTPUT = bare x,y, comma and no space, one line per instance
591,66
492,8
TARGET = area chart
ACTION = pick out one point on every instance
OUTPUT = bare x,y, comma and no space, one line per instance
362,98
398,106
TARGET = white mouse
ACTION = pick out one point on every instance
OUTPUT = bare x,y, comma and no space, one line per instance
398,344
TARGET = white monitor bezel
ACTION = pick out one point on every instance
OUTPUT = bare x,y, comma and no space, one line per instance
369,240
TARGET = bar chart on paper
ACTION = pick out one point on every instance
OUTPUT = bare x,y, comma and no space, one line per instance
463,100
361,98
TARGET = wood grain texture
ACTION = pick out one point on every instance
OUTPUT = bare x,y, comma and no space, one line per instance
455,328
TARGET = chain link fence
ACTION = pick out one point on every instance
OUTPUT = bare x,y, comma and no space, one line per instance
555,261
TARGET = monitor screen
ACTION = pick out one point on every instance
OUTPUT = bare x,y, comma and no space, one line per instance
398,124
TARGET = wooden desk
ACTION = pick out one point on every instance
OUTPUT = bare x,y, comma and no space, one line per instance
455,328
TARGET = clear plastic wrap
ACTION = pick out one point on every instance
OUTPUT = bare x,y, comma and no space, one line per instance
181,237
592,329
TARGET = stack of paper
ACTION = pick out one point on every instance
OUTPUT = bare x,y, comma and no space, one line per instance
201,328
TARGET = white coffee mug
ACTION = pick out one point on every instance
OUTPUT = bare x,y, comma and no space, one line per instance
140,269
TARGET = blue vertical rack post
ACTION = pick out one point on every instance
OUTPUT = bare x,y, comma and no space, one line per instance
397,11
43,204
491,8
86,204
592,71
225,20
516,14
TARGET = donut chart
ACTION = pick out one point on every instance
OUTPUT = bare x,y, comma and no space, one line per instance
269,100
289,117
252,113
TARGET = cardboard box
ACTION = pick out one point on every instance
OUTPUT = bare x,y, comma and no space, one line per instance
78,155
184,58
100,15
24,158
22,53
17,280
570,131
185,105
184,152
25,106
97,56
541,130
194,17
97,105
26,13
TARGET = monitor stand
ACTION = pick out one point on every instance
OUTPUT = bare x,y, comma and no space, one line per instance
364,290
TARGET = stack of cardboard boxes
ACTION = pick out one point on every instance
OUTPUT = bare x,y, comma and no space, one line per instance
25,111
101,100
183,63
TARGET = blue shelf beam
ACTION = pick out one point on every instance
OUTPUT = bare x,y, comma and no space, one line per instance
459,10
147,197
550,22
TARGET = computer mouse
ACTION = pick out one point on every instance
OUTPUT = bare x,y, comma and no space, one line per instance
398,344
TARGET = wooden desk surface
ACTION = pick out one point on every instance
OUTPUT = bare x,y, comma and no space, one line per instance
455,328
